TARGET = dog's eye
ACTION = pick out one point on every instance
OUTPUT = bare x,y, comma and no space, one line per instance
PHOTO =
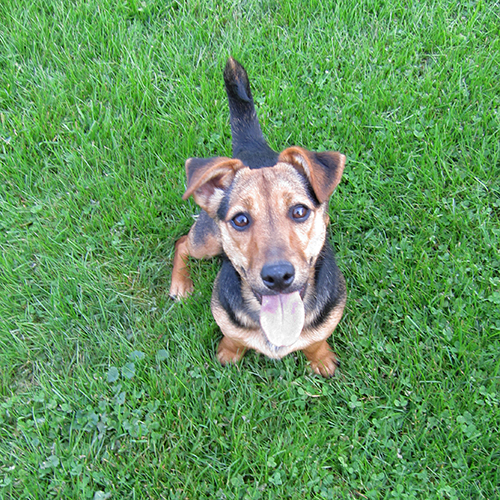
240,221
299,213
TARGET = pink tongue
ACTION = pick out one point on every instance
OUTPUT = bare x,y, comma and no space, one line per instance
282,318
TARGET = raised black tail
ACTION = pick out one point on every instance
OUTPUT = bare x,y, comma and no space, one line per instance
249,144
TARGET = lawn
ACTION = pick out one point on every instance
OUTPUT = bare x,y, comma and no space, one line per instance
109,389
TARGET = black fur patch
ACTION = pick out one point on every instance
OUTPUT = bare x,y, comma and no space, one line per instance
329,289
224,205
203,227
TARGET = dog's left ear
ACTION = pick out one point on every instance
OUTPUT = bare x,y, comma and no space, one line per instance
324,170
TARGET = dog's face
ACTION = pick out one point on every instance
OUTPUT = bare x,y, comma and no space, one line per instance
272,228
272,223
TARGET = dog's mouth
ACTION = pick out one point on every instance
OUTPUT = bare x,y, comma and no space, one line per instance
282,317
260,295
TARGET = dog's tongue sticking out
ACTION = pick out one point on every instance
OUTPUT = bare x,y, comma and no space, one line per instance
282,318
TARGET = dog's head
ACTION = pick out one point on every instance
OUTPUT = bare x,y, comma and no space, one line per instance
273,226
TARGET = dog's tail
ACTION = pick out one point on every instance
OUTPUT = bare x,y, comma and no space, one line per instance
249,144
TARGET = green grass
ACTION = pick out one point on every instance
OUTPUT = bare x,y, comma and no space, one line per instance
110,390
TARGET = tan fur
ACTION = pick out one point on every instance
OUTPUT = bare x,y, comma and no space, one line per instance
267,195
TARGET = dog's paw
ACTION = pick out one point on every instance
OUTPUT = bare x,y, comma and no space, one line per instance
323,360
229,351
325,366
181,288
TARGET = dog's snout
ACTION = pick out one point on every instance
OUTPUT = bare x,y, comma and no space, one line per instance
278,277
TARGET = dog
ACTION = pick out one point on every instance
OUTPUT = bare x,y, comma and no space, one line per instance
279,289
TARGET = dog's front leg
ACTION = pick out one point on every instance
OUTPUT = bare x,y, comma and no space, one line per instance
323,361
230,351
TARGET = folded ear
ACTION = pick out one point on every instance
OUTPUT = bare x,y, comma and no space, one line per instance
207,175
324,170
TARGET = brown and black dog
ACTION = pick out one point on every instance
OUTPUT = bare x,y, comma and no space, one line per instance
279,289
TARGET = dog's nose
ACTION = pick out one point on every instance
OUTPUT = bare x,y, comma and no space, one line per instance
278,277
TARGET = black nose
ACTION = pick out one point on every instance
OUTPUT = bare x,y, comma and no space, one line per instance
278,277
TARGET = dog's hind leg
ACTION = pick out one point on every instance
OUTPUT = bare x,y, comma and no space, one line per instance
181,285
202,241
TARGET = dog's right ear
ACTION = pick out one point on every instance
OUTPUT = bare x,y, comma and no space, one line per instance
208,178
